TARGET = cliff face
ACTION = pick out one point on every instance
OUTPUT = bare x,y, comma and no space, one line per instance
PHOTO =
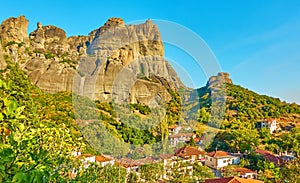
2,62
14,30
109,63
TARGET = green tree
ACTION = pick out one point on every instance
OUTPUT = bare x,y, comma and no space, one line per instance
151,172
200,172
203,115
290,171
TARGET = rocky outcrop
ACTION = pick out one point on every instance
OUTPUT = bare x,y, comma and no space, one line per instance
109,63
2,61
14,30
219,80
79,43
122,55
148,93
49,38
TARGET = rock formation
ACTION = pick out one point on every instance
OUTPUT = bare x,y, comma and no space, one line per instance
219,80
14,30
2,61
116,61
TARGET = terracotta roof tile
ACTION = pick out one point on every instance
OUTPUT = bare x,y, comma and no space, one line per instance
270,156
172,127
232,180
217,154
101,158
242,180
243,170
220,180
188,151
127,162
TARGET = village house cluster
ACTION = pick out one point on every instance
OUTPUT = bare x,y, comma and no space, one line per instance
216,160
188,155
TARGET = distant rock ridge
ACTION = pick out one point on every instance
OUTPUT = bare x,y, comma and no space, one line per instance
52,60
219,80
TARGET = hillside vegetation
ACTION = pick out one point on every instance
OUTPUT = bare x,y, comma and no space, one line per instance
244,109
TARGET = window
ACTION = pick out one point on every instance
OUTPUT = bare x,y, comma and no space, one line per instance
224,161
210,159
206,158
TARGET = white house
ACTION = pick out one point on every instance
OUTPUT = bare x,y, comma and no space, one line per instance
174,129
191,154
220,159
245,173
104,160
270,124
180,138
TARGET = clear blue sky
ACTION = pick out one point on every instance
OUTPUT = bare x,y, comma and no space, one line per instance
257,42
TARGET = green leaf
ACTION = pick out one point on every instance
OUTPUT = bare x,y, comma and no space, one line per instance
1,83
19,177
21,127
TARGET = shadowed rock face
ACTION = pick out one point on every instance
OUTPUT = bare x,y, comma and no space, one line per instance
107,64
2,62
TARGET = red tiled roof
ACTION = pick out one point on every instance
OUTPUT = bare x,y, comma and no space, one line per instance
197,139
269,120
221,180
232,180
217,154
127,162
243,171
172,127
101,158
270,156
188,151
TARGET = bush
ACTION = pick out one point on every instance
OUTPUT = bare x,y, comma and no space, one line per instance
49,55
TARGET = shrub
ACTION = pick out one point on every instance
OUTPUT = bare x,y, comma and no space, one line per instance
49,55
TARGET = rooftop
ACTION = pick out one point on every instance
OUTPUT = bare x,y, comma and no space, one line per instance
232,180
270,156
101,158
243,170
188,151
218,154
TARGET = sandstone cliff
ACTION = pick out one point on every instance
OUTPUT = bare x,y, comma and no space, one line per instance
114,61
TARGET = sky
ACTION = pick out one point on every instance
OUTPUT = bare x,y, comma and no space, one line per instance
256,42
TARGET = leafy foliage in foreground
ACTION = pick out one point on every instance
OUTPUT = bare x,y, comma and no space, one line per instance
37,131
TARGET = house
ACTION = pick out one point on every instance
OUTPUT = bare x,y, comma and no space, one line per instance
128,164
134,165
220,159
174,129
271,124
175,139
190,153
287,156
232,180
277,160
104,160
168,161
87,159
245,173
